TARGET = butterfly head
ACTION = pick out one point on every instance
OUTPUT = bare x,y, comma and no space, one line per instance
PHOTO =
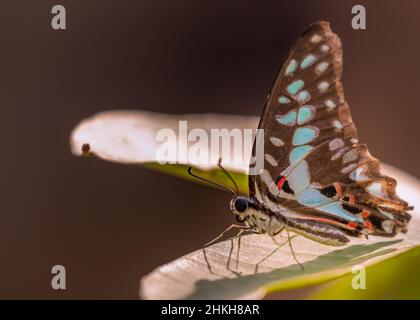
239,205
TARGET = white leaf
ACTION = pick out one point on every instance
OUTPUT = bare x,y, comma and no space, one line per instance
130,136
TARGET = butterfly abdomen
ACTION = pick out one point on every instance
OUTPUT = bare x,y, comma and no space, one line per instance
319,232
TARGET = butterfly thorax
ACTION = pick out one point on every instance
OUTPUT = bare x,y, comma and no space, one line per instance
255,216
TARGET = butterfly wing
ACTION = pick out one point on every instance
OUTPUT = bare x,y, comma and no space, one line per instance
315,170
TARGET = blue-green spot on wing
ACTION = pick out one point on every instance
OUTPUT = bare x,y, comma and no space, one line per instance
332,180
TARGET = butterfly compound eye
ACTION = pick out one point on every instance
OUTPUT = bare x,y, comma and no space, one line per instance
240,204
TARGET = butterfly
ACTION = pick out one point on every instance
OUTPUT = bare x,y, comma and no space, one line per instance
317,181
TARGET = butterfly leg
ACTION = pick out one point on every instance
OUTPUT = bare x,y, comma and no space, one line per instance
269,255
233,226
238,236
278,243
229,258
289,240
274,251
207,260
237,252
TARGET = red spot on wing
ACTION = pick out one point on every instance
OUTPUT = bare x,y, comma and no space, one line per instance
365,213
338,189
352,225
350,198
367,224
281,182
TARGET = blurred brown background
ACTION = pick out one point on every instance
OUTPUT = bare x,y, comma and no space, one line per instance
110,224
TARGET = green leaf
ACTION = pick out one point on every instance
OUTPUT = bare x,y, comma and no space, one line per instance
396,278
130,137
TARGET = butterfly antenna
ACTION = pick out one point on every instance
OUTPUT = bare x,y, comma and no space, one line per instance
209,181
228,174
